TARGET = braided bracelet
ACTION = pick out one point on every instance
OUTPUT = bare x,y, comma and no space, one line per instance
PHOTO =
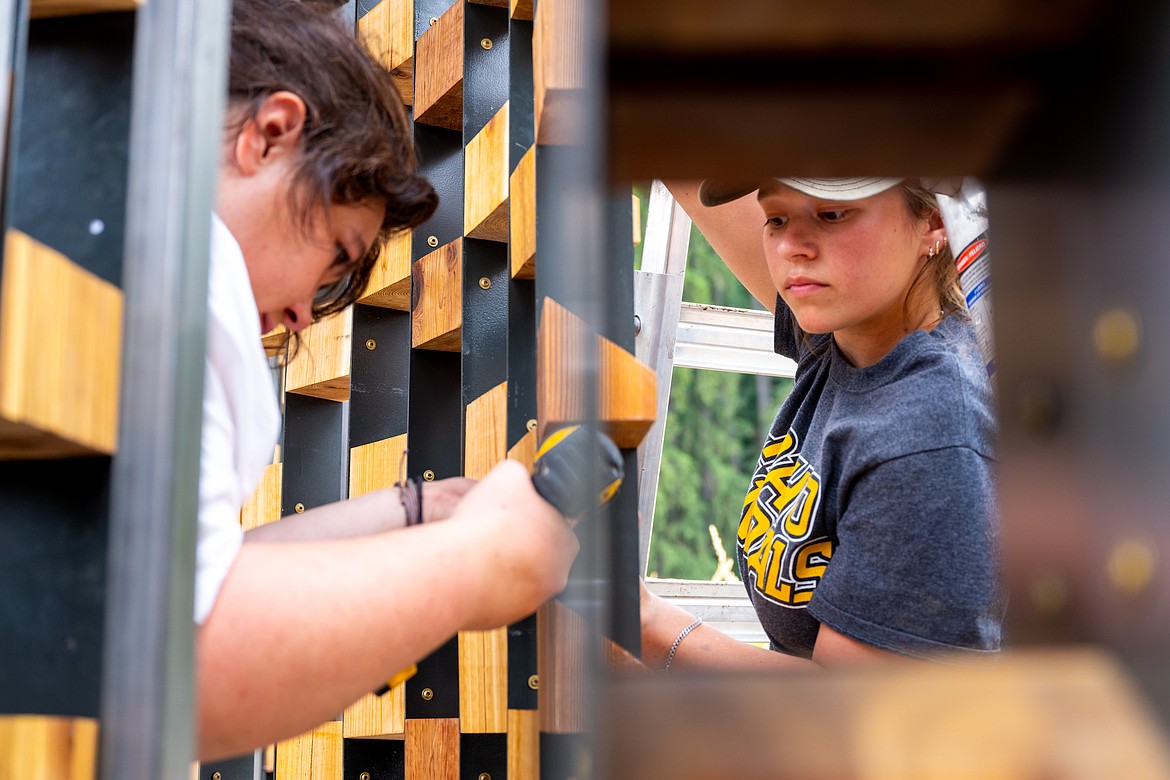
681,636
410,494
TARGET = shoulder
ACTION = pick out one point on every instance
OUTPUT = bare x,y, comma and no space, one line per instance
930,392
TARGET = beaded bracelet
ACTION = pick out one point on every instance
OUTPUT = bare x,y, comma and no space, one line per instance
681,636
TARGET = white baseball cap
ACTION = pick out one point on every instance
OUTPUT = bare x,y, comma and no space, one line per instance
713,192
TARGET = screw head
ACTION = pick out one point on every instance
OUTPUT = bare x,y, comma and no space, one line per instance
371,344
486,43
484,776
432,20
216,776
427,694
532,425
299,508
429,475
534,682
432,240
364,776
484,282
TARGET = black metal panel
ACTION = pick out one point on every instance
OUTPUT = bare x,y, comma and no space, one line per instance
246,767
565,756
68,183
483,754
441,160
485,316
375,759
436,414
315,454
53,539
485,79
522,664
621,514
438,673
521,107
521,358
426,10
379,379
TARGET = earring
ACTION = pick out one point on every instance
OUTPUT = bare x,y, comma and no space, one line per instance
934,250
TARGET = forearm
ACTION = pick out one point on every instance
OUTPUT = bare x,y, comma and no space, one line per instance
372,513
704,647
300,631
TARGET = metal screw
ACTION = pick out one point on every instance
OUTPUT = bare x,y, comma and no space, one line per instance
216,776
432,240
299,508
485,282
429,475
364,776
532,425
371,344
1131,566
484,776
427,694
1116,335
637,325
534,682
486,43
433,19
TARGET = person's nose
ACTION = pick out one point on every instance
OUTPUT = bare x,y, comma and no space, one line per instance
796,242
297,317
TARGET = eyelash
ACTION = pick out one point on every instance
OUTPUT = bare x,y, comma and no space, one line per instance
829,217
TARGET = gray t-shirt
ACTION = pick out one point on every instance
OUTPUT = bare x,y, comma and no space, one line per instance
872,509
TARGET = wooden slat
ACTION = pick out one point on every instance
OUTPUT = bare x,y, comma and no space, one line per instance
486,432
561,655
432,749
483,681
521,9
316,754
523,745
389,285
626,400
40,9
376,716
34,747
60,355
321,367
436,320
275,341
1058,714
387,30
264,505
485,198
558,71
438,81
376,465
522,217
492,3
524,451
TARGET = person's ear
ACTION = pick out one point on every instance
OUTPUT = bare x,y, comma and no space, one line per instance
935,235
275,130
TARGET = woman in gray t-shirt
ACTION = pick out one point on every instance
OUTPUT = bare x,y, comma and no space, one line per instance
869,526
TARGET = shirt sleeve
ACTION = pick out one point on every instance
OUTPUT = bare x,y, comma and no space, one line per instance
915,568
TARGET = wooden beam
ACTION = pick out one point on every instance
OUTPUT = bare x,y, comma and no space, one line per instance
376,716
35,747
626,399
264,505
524,451
432,749
558,72
438,81
521,9
316,754
387,30
523,745
522,217
483,681
561,650
436,320
60,355
389,285
321,367
486,432
40,9
485,198
375,466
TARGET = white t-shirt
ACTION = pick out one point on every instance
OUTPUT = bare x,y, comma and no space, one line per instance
241,418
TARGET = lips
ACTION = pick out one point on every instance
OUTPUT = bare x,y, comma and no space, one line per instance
802,285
